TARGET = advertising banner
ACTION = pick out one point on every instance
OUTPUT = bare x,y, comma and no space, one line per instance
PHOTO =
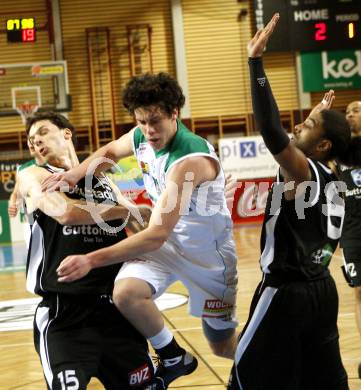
7,177
128,178
331,70
5,233
250,200
246,158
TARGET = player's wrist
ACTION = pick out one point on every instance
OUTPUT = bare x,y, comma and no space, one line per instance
96,259
255,59
77,173
92,260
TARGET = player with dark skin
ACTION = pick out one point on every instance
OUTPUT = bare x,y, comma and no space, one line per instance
290,340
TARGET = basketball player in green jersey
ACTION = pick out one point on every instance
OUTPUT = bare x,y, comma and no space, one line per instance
189,237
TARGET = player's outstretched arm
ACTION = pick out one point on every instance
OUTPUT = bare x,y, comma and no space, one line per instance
293,162
63,209
173,202
101,160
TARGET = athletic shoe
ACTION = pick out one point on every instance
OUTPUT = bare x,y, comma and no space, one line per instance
171,369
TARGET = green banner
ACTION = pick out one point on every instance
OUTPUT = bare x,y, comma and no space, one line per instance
5,235
331,70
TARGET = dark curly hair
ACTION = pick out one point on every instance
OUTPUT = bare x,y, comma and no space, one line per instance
337,130
153,90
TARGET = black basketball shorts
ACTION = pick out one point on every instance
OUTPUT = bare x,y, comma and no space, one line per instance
82,337
290,341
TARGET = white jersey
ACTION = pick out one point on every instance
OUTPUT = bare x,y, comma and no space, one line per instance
207,218
200,252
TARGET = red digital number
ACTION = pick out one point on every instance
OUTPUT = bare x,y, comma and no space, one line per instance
320,34
28,35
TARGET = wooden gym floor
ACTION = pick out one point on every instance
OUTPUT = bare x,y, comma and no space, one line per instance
20,367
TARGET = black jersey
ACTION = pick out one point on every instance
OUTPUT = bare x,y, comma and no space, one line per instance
297,243
351,231
51,242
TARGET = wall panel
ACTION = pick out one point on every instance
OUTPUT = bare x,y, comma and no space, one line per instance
21,52
77,15
216,40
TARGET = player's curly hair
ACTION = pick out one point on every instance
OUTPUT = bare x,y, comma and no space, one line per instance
337,130
153,90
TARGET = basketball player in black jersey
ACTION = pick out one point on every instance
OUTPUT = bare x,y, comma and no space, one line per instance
290,341
78,332
351,231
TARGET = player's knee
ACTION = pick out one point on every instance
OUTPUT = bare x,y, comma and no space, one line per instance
222,349
128,293
124,294
221,341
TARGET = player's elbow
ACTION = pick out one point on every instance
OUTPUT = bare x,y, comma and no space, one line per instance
157,243
64,220
157,238
68,217
111,151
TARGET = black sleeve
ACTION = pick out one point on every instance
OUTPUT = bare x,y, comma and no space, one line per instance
265,108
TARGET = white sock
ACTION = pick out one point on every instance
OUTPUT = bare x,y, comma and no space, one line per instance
161,339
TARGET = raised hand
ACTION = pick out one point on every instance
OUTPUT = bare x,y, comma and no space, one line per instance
258,43
325,103
12,210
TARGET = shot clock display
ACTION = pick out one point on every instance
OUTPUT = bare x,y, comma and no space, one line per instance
20,30
312,25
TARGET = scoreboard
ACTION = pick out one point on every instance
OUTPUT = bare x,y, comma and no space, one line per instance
20,30
311,25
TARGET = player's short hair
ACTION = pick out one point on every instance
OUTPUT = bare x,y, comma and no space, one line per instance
153,90
337,130
54,117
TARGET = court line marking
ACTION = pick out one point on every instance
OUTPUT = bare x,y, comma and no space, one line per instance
12,268
15,345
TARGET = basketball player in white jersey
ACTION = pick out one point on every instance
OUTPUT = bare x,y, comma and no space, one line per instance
189,237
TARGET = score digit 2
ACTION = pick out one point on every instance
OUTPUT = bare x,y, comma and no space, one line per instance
320,33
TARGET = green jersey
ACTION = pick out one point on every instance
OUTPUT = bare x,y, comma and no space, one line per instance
207,216
27,164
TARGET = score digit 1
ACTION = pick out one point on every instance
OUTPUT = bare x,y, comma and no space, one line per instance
28,35
320,33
